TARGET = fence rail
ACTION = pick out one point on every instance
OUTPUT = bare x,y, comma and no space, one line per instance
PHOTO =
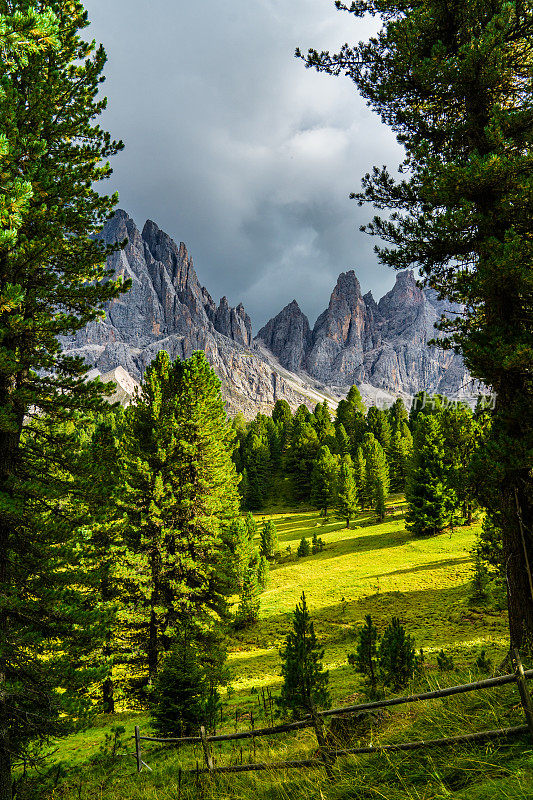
327,755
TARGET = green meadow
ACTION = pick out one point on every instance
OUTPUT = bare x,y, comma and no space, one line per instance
370,568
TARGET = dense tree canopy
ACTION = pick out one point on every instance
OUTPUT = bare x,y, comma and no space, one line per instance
52,266
455,81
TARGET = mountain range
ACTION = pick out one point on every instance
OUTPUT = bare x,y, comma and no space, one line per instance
380,346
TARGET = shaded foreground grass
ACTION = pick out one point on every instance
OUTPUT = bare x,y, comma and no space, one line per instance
373,568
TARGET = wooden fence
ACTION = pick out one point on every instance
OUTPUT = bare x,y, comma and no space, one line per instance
327,755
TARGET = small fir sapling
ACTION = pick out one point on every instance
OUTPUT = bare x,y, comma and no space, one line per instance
303,548
445,662
482,663
248,609
396,656
182,698
269,539
364,660
305,682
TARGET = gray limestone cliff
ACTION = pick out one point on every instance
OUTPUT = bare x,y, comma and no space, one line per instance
167,308
380,346
356,340
287,336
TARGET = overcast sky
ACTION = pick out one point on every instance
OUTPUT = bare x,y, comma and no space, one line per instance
233,147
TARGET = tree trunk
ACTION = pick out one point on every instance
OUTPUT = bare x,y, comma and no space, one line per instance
5,768
108,696
510,499
518,551
8,445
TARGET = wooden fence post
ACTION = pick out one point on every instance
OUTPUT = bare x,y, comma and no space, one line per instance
521,681
138,748
323,749
252,724
205,745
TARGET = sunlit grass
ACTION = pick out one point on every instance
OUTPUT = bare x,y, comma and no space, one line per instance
371,568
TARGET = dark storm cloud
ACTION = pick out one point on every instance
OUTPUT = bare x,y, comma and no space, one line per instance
233,147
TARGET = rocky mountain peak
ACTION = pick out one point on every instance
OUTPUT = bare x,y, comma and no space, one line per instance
404,294
358,340
347,287
287,336
380,346
232,322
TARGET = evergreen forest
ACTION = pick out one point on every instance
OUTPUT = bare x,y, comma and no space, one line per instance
169,569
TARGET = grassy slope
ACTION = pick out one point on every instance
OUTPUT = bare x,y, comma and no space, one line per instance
376,568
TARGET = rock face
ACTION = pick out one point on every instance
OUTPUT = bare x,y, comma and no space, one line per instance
380,346
288,336
356,340
168,309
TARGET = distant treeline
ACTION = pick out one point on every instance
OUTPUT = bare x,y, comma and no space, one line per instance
353,458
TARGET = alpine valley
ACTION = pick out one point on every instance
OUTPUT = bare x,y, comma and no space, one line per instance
380,346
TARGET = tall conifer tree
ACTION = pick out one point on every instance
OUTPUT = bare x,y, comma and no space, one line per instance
455,82
427,499
347,502
324,480
52,266
376,474
180,495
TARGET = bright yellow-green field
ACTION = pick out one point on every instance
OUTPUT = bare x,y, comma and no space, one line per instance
376,568
372,568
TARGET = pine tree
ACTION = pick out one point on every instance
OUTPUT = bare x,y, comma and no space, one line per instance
263,572
426,494
323,424
182,698
251,526
303,548
305,682
256,460
239,547
249,603
398,415
351,415
376,474
364,658
347,502
401,450
461,441
52,156
455,83
255,495
324,481
282,418
281,413
302,452
378,424
396,656
342,442
360,478
180,497
101,465
269,539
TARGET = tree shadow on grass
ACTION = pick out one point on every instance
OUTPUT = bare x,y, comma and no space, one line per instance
426,613
354,544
